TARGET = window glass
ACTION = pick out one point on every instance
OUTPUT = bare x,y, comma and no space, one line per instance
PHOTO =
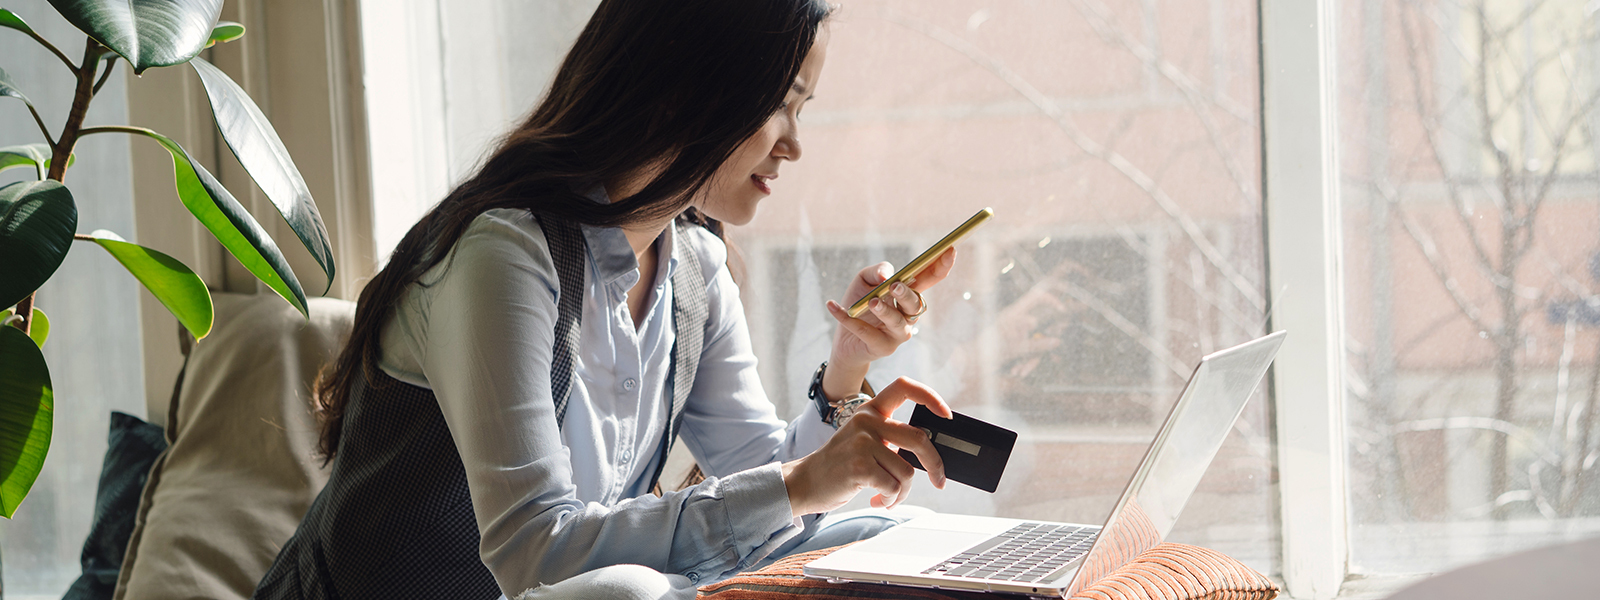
1118,143
1472,263
92,303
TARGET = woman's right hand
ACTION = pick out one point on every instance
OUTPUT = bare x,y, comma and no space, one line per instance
858,456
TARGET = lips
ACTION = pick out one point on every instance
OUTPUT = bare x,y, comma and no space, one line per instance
760,182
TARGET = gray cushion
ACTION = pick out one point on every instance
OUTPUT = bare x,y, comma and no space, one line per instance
131,447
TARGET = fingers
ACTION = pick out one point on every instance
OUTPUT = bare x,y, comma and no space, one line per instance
895,478
873,275
903,389
906,300
881,272
864,448
881,341
935,272
916,441
894,474
894,321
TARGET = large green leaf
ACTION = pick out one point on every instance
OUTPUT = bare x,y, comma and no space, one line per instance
11,20
177,287
37,219
148,33
256,143
27,403
38,326
224,32
31,155
232,225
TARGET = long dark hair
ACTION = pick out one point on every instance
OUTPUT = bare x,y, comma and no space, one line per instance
671,85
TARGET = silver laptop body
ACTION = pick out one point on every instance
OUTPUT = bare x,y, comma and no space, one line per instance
1049,559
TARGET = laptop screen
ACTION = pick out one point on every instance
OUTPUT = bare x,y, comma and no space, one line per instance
1178,458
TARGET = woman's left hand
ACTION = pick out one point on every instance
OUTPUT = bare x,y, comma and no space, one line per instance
880,330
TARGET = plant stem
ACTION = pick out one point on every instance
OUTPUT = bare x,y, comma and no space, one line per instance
25,313
52,47
44,129
105,76
112,129
61,150
80,107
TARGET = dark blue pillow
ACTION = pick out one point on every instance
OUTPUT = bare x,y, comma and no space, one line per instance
132,447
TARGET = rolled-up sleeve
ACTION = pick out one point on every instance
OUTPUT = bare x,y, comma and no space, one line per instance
756,517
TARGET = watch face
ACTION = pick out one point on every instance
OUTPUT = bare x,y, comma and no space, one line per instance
848,407
844,413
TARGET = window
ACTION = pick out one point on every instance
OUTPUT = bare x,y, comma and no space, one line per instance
790,337
1093,294
1121,145
1470,217
1118,144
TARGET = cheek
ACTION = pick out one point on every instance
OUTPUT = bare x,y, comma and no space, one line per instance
742,164
755,150
761,145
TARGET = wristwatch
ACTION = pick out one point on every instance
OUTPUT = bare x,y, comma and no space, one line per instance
837,412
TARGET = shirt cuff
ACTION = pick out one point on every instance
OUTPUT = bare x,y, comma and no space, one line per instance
758,512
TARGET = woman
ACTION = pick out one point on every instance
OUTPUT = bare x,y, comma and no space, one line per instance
521,366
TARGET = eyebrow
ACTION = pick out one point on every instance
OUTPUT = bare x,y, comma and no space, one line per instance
798,88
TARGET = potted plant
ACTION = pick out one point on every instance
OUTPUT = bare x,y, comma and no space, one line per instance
39,222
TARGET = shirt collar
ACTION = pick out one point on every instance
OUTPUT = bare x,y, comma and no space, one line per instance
612,254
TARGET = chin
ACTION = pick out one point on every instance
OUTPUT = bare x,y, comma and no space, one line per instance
741,218
739,212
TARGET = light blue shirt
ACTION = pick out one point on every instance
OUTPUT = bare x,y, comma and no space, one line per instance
552,503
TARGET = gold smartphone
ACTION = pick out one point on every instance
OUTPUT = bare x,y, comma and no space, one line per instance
915,267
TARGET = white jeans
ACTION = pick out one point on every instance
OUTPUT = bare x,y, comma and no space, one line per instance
636,582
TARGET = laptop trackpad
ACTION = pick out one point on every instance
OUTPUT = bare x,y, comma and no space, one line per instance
916,541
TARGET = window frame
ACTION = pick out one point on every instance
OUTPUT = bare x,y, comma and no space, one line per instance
1301,225
1301,204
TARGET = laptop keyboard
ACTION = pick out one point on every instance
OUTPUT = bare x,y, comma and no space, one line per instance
1029,553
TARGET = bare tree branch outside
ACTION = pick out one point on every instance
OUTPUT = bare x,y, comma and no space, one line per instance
1471,192
1118,142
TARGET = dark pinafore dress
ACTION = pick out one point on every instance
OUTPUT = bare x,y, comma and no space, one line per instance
395,519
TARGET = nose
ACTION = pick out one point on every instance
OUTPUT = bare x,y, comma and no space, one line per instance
788,146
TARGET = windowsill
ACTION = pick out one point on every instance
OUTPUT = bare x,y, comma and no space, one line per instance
1363,587
1452,545
1375,587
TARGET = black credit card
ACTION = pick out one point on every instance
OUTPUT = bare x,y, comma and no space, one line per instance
974,452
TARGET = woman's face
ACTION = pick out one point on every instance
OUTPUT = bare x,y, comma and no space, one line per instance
747,176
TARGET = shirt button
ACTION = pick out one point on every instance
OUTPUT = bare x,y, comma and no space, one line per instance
695,577
629,384
627,455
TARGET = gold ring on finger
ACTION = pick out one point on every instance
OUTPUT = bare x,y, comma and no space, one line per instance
921,302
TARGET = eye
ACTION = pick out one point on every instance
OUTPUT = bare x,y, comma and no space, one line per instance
802,106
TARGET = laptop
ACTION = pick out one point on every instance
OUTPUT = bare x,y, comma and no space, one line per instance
1056,560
